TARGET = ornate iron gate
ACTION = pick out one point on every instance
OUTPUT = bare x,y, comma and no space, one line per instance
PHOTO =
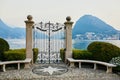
49,39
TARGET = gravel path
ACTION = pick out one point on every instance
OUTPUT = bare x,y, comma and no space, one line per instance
71,74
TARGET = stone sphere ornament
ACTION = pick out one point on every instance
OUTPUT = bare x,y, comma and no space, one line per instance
29,17
68,18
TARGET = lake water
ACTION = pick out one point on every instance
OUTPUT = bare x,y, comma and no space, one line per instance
16,43
20,43
84,43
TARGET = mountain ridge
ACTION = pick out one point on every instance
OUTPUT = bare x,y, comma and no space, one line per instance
7,31
89,23
86,24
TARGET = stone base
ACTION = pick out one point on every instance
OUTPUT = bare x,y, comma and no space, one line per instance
27,66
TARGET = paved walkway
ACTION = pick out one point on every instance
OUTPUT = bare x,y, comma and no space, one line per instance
71,74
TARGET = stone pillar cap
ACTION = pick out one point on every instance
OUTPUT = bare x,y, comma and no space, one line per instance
68,20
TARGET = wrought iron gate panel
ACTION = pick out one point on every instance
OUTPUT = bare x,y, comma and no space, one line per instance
49,39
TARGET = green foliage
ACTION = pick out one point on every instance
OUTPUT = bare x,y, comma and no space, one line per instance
62,54
116,61
35,54
4,46
17,54
103,51
81,54
77,54
116,69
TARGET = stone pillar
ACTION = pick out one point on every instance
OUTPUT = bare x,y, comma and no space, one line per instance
68,41
29,45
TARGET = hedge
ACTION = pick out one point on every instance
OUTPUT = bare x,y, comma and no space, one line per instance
35,54
16,54
77,54
103,51
62,54
4,46
81,54
19,54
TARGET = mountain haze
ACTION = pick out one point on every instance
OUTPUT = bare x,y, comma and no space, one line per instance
89,23
86,24
9,32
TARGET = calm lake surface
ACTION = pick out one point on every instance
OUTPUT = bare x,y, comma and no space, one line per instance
16,43
82,44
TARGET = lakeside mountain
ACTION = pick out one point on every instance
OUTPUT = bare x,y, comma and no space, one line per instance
89,25
7,31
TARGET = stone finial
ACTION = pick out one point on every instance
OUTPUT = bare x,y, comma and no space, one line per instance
29,17
68,18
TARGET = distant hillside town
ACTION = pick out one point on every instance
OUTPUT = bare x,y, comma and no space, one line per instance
89,27
98,36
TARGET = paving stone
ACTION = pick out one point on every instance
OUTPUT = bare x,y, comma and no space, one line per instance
71,74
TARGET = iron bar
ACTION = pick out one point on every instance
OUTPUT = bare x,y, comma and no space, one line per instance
49,40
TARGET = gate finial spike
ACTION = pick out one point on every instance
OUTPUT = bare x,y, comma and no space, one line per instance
68,18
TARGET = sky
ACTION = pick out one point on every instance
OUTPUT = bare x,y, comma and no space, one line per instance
14,12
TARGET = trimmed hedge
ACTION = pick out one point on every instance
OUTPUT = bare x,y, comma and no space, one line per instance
35,54
62,54
81,54
103,51
77,54
4,46
16,54
19,54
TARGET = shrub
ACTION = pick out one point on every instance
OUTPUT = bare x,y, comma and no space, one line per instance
35,54
4,46
17,54
103,51
62,54
116,69
81,54
116,61
76,54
